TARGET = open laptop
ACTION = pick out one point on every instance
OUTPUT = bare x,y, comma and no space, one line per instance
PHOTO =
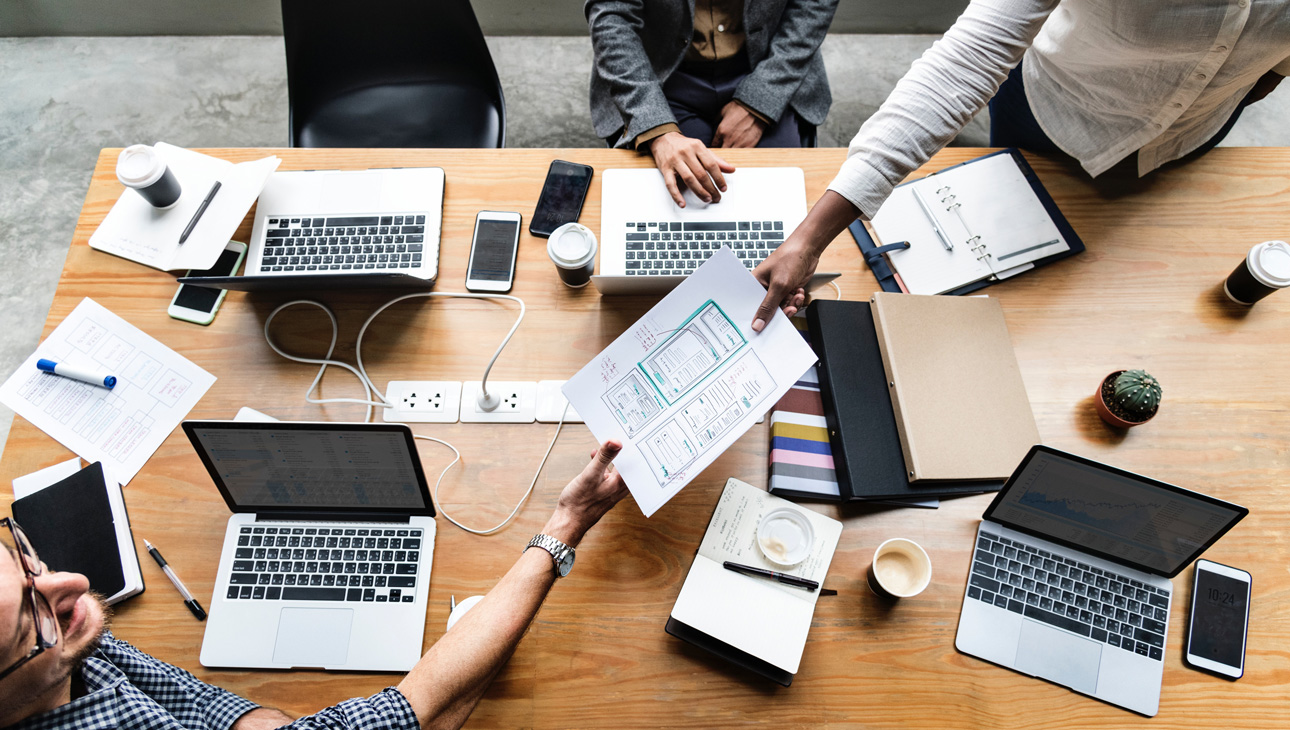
1070,575
648,244
326,559
318,229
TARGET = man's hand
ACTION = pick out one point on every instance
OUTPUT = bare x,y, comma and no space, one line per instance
690,161
588,497
738,127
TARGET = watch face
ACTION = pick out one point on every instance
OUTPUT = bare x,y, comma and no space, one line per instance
566,565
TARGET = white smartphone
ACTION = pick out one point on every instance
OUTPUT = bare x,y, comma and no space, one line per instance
198,304
493,251
1220,618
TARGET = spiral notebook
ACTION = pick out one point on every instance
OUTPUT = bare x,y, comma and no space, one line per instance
985,220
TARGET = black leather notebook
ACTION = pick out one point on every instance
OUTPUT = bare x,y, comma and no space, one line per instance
70,524
857,407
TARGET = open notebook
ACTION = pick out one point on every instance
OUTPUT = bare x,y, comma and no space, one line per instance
985,220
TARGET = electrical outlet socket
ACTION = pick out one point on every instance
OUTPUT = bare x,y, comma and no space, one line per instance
423,401
518,402
551,403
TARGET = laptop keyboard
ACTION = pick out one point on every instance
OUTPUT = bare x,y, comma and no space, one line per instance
1070,595
349,243
676,249
349,564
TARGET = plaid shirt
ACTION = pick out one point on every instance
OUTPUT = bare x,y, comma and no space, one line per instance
126,688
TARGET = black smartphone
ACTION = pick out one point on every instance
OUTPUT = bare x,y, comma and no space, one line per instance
492,252
1219,621
562,196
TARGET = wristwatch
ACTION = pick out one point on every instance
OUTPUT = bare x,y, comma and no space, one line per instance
560,553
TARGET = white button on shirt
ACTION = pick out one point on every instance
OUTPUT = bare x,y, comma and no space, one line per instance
1104,78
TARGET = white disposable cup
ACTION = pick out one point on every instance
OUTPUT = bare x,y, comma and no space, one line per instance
900,569
145,170
572,248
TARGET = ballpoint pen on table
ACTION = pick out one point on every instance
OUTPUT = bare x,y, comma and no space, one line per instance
786,579
189,601
200,210
945,241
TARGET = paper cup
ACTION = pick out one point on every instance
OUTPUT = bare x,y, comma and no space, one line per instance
900,569
1266,269
144,169
572,248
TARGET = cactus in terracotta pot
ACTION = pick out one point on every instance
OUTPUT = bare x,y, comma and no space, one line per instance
1137,393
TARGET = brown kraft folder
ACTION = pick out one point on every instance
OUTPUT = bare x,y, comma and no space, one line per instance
956,391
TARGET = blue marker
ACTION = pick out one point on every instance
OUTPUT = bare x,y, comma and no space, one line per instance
84,375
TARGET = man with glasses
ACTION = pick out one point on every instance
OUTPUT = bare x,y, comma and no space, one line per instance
60,667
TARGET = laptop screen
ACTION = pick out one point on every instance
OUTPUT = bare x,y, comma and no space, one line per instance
1143,523
265,467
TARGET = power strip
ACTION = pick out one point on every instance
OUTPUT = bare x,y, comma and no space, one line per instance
423,401
518,402
551,404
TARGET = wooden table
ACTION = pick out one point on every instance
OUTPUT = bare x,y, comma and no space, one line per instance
1146,294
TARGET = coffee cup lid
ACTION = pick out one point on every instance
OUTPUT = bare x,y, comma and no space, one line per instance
139,165
1270,263
785,536
571,245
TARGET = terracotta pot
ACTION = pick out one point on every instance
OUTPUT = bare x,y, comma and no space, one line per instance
1105,412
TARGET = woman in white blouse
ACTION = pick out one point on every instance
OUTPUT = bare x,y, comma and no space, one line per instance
1103,80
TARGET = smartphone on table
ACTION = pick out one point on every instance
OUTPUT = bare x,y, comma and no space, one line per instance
562,197
1219,621
198,304
492,252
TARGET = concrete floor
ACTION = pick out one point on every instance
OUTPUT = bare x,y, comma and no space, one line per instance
65,98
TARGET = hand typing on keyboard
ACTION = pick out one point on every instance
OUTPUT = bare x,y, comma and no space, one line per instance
689,162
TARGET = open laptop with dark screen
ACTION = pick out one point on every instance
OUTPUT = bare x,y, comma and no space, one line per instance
1070,574
326,559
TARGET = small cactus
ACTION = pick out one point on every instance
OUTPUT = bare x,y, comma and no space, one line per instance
1138,393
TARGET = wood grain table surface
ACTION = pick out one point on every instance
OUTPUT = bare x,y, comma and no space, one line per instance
1146,293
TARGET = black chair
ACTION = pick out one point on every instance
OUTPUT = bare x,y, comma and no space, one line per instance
392,73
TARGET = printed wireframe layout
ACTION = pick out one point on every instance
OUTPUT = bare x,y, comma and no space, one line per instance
698,347
633,402
700,422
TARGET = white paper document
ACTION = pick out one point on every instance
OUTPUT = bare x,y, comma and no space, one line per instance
135,230
688,379
763,617
122,427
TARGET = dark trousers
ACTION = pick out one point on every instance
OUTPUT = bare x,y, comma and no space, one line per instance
697,92
1012,124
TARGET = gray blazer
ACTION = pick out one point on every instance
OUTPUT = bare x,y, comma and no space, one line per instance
639,43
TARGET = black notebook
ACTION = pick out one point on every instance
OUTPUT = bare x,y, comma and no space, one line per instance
867,456
74,526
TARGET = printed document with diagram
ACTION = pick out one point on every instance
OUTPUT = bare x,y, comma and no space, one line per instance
688,379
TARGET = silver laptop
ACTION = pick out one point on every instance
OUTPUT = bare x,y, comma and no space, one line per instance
317,229
648,244
326,559
1070,575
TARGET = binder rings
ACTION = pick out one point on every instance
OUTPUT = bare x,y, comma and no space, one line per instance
966,227
866,444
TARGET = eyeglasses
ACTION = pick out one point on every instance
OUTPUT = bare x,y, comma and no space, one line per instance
45,621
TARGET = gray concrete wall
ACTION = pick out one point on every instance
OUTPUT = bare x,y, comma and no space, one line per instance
498,17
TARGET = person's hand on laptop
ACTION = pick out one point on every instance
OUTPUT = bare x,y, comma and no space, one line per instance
738,127
690,162
787,270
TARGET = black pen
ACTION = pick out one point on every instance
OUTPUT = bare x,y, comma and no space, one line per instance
189,601
200,209
785,578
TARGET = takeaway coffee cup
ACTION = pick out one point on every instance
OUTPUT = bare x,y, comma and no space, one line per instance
900,569
143,168
1266,269
572,248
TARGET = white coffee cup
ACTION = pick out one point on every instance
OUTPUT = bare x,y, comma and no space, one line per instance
900,569
572,248
145,170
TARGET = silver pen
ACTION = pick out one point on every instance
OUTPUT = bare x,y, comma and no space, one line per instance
945,241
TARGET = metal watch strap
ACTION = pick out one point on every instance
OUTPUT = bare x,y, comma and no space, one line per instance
557,549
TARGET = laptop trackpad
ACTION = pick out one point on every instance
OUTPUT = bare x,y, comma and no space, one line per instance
1058,656
299,630
352,191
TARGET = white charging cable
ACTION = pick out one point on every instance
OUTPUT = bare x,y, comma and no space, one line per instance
369,388
834,284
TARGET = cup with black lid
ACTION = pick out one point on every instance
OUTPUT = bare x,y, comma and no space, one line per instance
143,168
1266,269
572,248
